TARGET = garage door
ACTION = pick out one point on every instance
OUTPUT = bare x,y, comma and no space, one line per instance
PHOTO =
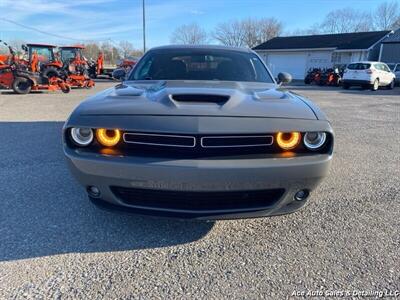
319,59
293,63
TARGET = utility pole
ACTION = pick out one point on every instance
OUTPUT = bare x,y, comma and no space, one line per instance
144,28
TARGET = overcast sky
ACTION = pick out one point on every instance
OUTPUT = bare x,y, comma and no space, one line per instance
102,20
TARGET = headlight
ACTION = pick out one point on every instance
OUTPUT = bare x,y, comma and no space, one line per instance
108,137
314,140
288,140
81,136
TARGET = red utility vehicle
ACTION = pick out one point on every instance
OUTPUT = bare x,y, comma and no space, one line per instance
75,66
22,75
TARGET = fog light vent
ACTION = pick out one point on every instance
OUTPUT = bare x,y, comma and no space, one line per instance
93,191
301,195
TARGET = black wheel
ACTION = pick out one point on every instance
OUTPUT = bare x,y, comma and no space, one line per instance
66,89
391,85
22,85
51,72
346,86
375,85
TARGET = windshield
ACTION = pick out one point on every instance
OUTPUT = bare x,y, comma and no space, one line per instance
201,64
44,54
359,66
69,53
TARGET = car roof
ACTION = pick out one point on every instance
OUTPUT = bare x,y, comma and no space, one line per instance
72,47
206,47
41,45
366,62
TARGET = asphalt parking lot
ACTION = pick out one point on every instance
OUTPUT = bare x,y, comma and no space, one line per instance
55,244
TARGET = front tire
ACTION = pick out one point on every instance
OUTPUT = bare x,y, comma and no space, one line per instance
375,85
21,85
51,72
66,89
391,85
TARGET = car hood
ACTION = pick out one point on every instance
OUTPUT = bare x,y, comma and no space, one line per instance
198,98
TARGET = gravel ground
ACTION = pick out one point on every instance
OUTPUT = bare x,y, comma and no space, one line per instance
55,244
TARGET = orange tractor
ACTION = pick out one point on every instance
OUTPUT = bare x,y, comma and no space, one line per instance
75,66
41,58
24,75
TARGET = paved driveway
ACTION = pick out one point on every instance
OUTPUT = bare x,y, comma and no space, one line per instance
54,243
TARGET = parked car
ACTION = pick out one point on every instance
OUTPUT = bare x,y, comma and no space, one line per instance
199,132
368,74
396,70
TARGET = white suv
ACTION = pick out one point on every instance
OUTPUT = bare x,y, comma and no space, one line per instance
368,74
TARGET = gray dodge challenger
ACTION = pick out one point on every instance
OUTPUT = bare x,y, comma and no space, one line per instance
200,132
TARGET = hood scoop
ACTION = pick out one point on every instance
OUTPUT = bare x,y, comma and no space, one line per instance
201,98
128,91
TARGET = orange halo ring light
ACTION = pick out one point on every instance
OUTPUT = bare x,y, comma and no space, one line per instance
108,137
288,140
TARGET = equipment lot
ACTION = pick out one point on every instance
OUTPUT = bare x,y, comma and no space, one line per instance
54,243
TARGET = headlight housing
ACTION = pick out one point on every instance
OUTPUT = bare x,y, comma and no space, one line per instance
81,136
108,137
288,140
314,140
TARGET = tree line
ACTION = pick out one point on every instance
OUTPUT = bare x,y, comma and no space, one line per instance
251,32
111,52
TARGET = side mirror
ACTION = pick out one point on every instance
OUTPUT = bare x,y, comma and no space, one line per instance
24,47
119,74
284,78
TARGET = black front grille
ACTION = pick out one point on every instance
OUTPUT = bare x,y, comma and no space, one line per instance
236,141
166,140
198,201
200,146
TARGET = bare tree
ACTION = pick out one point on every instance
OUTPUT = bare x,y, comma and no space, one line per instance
387,16
313,30
126,49
260,31
189,34
396,24
247,32
346,20
91,50
269,28
110,52
230,33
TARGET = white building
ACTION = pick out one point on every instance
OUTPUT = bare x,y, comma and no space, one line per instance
297,54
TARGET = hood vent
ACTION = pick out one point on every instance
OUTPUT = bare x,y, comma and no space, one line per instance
201,98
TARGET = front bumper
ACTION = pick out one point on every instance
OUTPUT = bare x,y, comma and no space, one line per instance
199,175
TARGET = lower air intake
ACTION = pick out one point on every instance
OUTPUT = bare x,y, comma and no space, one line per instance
198,201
